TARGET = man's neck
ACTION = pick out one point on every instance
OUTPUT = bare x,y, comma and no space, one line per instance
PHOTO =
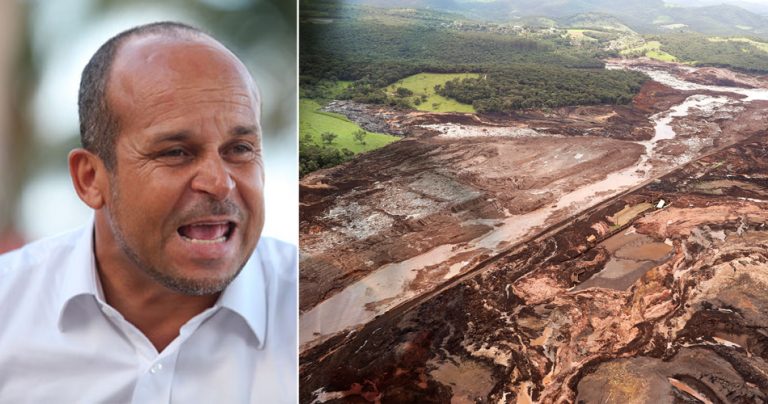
158,312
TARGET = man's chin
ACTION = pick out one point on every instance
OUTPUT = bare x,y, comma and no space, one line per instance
194,286
197,277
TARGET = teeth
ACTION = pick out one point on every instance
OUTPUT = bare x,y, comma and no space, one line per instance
196,241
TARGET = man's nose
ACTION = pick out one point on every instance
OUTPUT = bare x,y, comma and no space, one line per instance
213,178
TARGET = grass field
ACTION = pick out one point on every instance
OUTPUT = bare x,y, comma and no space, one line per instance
314,122
581,35
326,90
340,85
424,84
759,45
652,49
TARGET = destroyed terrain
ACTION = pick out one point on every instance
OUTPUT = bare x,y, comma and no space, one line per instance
598,254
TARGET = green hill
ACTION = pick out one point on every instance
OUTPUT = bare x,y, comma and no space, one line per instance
650,16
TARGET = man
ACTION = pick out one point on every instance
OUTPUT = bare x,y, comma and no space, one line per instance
165,296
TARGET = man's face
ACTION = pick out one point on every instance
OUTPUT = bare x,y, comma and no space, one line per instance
186,203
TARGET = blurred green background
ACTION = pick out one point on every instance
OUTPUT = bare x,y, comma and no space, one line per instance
45,44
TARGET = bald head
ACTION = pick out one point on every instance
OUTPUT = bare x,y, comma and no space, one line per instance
156,55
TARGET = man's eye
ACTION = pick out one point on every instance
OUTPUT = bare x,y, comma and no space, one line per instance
174,153
242,148
241,152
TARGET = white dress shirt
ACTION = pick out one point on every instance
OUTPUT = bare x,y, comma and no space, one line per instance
60,342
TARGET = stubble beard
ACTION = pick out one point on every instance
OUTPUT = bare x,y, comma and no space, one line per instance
173,281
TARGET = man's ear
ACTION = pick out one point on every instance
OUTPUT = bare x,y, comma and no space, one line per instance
89,177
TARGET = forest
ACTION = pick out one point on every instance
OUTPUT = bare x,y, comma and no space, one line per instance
536,86
549,71
371,49
380,54
314,157
742,55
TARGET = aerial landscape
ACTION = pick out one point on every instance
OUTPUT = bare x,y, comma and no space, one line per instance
533,202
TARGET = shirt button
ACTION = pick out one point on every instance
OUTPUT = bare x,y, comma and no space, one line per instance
156,368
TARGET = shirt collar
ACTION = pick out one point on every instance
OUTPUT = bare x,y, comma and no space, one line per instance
247,297
77,276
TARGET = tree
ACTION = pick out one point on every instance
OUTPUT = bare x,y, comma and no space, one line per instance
360,136
328,137
403,92
313,157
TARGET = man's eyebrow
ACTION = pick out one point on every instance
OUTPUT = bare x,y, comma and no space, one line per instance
184,135
244,130
172,137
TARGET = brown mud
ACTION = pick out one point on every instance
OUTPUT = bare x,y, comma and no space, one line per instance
694,325
662,285
428,190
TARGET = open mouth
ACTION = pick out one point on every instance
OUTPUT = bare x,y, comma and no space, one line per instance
207,232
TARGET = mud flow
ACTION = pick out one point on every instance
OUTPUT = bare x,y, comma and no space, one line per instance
547,256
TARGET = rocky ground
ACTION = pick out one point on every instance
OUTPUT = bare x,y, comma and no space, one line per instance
371,117
488,258
693,326
432,188
407,199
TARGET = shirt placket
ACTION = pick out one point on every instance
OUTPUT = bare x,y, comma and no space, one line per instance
155,380
156,371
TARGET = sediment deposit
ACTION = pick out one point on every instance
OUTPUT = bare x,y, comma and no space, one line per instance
547,255
549,322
